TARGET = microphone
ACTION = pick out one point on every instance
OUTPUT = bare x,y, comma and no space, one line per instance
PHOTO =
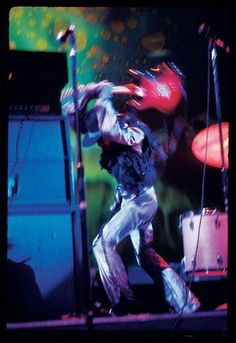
206,31
63,35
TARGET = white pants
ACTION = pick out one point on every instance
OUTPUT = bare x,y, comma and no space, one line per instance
134,218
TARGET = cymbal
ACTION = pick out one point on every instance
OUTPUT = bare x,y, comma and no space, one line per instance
207,141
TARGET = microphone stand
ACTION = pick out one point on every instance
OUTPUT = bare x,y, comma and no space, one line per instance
81,271
213,51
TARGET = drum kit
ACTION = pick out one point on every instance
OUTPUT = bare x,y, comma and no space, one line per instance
205,233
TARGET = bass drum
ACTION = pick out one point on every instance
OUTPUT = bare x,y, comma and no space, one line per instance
205,240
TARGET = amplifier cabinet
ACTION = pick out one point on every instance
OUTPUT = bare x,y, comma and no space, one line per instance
43,217
39,161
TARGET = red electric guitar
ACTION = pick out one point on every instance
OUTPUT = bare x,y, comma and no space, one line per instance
160,88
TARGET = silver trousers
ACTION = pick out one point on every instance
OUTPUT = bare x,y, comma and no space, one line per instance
134,218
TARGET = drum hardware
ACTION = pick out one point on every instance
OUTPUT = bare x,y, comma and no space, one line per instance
191,225
219,260
193,261
217,222
207,210
183,262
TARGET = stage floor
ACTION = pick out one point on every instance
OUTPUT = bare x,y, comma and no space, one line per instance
199,321
141,328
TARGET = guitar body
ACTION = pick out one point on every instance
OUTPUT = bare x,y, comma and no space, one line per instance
162,89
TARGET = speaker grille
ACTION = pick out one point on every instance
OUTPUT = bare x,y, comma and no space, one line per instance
38,161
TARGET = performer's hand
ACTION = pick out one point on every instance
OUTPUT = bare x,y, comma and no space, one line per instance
105,89
102,89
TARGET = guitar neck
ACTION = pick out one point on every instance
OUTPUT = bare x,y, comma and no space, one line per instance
123,90
128,89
